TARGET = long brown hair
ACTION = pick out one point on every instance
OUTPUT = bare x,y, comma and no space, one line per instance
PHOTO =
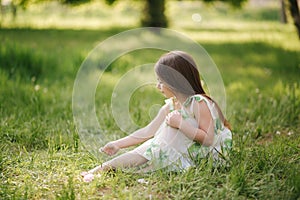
179,71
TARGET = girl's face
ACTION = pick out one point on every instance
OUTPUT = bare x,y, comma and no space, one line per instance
164,89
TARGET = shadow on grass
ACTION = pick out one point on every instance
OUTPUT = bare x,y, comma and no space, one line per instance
69,47
255,60
46,52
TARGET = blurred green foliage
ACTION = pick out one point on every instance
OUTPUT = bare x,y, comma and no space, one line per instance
41,151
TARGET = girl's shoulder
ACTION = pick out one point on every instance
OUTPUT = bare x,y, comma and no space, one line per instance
198,103
196,97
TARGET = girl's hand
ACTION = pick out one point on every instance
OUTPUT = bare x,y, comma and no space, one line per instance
174,119
110,148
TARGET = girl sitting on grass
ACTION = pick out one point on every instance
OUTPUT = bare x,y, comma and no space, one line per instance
189,126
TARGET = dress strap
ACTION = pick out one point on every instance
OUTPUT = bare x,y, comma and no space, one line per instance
198,98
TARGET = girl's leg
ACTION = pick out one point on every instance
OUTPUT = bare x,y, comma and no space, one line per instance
126,160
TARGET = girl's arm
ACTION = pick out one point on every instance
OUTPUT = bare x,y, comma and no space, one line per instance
204,133
139,136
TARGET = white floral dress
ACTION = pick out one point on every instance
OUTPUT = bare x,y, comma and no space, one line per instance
171,149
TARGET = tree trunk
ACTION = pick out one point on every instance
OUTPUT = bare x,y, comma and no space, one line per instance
295,14
154,14
283,12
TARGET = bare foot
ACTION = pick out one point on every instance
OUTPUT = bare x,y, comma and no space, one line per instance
84,173
87,177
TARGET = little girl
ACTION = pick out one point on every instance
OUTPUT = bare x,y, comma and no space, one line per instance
190,125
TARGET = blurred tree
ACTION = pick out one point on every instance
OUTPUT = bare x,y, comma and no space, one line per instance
8,6
74,2
236,3
294,9
154,11
283,11
154,14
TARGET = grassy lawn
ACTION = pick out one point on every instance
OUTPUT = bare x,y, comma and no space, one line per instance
42,154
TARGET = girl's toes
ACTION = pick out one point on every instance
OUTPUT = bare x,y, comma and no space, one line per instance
88,178
84,173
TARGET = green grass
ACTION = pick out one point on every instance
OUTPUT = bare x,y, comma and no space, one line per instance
41,152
